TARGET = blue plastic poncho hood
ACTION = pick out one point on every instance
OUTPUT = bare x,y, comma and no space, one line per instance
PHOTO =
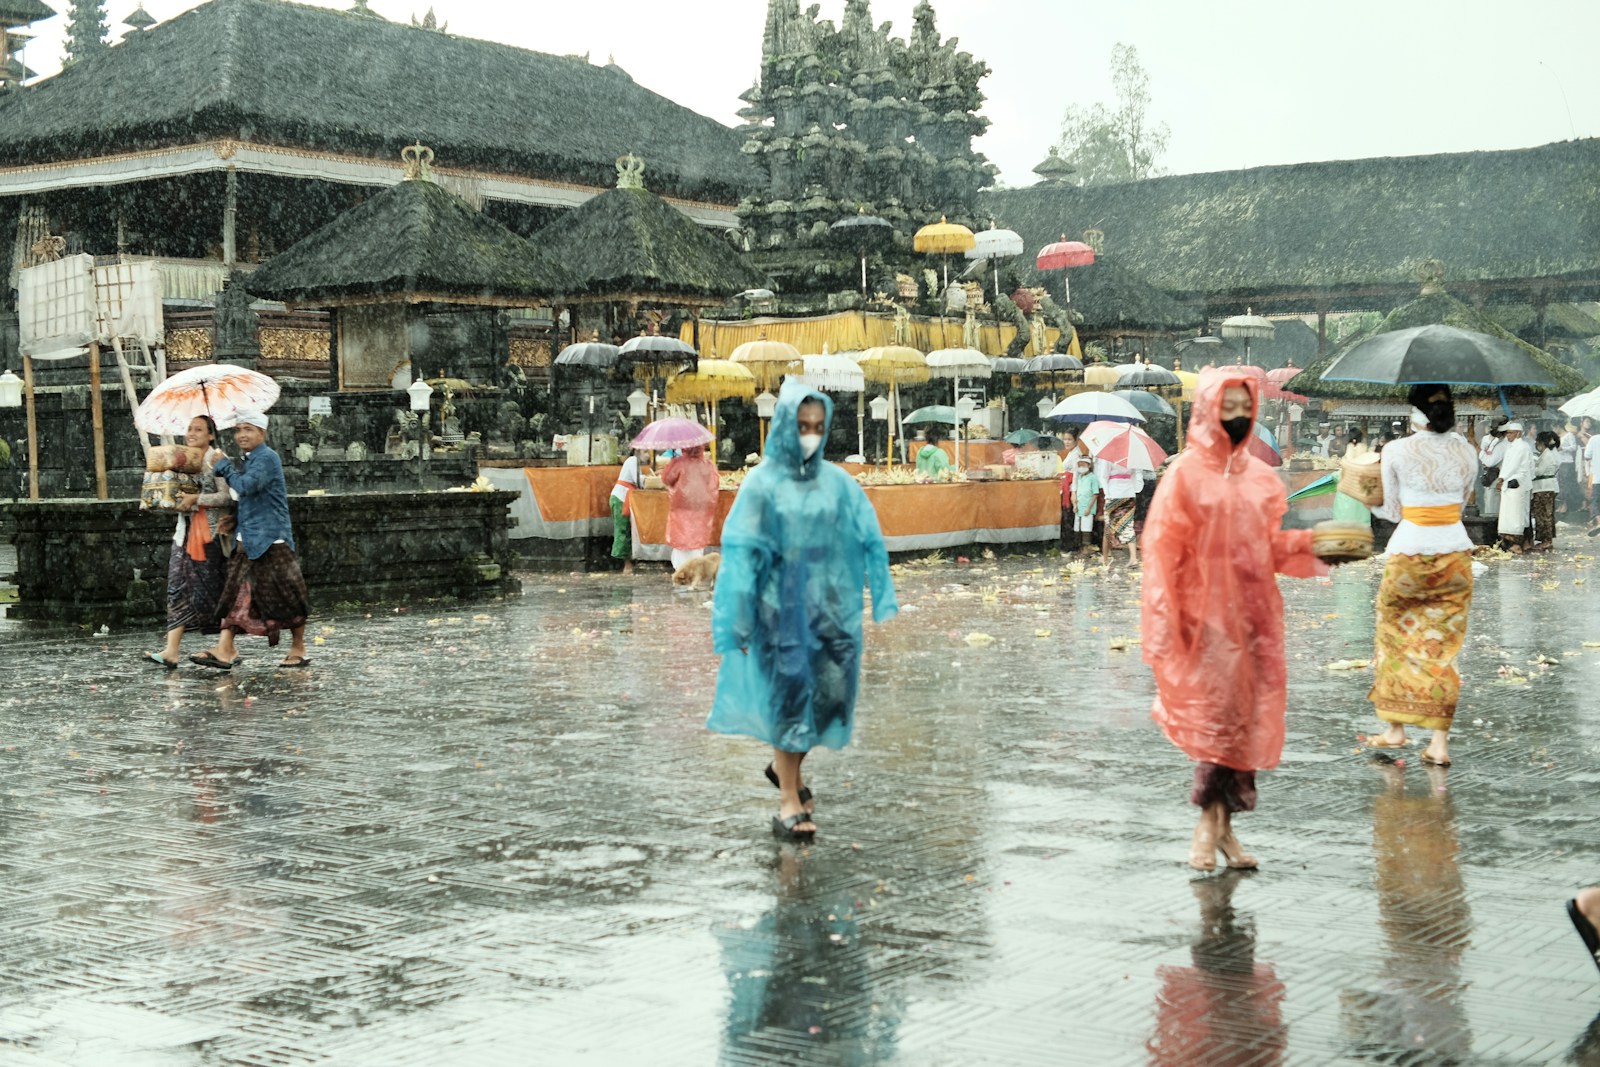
783,437
798,546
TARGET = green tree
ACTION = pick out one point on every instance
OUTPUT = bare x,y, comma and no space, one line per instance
1116,143
86,29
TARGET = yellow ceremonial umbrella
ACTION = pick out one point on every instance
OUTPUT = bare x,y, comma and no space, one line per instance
1101,376
890,365
768,360
944,238
713,380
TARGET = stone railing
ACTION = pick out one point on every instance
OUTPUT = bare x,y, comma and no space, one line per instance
105,562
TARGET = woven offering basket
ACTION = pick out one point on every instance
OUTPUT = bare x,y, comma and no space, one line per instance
1342,542
1362,479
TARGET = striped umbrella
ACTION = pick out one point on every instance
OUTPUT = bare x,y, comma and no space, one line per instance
1123,444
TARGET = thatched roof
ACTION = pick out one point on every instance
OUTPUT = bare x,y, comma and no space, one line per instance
1337,230
1566,321
629,244
1427,310
22,12
413,242
308,77
1113,299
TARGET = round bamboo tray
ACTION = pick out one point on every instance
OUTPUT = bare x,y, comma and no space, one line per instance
1341,542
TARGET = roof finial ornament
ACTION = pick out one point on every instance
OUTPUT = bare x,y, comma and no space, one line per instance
418,159
1431,275
630,172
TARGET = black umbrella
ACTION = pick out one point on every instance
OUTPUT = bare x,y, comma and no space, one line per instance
1144,376
1441,354
588,355
864,233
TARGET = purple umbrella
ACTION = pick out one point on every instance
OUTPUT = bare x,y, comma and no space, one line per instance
664,434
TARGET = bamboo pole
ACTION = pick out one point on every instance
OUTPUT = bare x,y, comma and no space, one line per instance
98,420
33,427
132,394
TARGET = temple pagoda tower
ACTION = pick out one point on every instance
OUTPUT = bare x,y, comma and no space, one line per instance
15,15
848,117
86,29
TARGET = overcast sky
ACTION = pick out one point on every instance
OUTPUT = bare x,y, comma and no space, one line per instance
1240,82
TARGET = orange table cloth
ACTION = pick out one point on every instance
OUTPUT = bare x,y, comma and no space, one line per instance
914,518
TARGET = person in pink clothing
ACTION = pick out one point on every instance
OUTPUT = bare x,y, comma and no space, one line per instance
1213,616
692,485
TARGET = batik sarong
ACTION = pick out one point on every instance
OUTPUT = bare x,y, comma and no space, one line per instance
1216,784
1119,521
621,531
193,587
1422,622
264,596
1544,518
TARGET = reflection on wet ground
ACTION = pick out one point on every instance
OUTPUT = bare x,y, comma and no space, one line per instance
498,834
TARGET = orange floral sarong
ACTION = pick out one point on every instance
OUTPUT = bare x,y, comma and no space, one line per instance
1422,624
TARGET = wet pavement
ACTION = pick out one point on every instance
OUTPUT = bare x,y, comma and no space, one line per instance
498,834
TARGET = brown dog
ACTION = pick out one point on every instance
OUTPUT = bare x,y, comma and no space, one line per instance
698,573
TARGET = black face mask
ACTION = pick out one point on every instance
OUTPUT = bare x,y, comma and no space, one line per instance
1237,429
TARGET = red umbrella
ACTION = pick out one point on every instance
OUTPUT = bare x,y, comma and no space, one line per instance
1283,375
1065,253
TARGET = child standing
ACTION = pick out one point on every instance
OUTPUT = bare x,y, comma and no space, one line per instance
1085,502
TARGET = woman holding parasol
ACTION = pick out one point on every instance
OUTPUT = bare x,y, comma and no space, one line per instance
196,566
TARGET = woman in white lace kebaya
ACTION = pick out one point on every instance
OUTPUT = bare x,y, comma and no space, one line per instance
1427,585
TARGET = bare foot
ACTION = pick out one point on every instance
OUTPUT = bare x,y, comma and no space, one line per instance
1393,737
1235,854
1203,848
1588,901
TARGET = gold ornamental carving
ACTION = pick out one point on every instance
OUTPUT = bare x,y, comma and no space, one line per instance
308,346
528,352
191,345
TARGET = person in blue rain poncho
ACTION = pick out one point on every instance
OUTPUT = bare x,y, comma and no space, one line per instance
797,548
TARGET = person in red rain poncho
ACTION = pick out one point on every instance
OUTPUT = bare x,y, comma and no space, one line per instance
1213,616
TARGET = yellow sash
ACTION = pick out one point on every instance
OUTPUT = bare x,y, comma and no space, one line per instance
1432,515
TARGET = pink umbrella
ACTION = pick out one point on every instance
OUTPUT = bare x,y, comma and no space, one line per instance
672,433
1123,444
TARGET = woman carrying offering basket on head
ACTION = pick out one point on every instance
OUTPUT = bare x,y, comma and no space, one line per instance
196,567
1427,584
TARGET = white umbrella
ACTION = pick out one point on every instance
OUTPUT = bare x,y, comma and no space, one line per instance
1585,405
994,245
959,363
839,373
1093,407
832,373
220,390
955,364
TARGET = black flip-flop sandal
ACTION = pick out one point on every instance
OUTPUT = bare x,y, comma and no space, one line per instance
785,828
295,666
1586,930
772,776
161,661
206,659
